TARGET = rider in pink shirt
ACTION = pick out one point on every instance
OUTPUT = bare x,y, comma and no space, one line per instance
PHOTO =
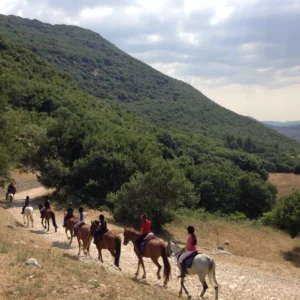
189,249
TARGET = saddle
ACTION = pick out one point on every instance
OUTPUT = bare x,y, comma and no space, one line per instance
188,261
150,236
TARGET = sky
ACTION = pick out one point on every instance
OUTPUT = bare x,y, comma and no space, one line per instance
242,54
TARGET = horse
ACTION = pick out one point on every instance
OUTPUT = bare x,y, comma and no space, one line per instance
154,249
70,227
46,216
83,234
202,266
111,241
10,198
28,212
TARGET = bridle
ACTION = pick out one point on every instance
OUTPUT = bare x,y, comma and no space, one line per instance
177,254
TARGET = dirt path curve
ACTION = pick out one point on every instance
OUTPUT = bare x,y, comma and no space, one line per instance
236,281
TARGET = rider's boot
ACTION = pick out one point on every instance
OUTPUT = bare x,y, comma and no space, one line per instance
182,271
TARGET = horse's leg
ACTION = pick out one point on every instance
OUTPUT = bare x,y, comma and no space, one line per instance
138,268
27,220
79,243
155,260
204,285
48,222
142,262
100,255
24,218
180,291
184,288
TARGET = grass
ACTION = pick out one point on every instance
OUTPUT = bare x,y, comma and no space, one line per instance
246,239
285,183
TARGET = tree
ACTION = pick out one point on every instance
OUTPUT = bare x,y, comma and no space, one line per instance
157,192
286,214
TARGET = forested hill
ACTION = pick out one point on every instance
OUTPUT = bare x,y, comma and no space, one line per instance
99,154
108,73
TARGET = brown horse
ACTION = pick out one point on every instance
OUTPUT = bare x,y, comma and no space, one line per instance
154,249
70,227
111,241
83,234
46,216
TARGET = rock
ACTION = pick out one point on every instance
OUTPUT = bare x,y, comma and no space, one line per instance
11,226
220,248
103,286
32,262
217,251
226,243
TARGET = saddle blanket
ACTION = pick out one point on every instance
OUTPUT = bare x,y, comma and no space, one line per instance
188,262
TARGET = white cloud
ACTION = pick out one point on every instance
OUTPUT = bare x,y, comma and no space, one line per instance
246,49
95,13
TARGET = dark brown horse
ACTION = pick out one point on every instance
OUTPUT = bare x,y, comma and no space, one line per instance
154,249
46,216
70,227
111,241
83,235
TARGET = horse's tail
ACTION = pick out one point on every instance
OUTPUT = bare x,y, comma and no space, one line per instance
117,251
167,266
31,216
87,242
53,219
212,273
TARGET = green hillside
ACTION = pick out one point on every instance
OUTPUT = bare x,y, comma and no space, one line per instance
100,154
108,73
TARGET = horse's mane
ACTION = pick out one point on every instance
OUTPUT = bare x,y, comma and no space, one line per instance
131,229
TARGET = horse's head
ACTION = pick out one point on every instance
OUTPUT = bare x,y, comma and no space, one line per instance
94,226
129,235
40,206
172,248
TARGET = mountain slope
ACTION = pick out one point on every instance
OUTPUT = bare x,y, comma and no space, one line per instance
108,73
100,154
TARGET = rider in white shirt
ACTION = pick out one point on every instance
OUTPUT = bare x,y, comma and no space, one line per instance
81,219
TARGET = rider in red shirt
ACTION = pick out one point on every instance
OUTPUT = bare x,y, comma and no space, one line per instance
145,230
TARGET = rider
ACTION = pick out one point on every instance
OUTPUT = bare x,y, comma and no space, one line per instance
69,214
46,205
145,230
11,189
25,204
101,230
81,220
189,249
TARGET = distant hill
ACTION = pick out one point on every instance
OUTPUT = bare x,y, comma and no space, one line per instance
108,73
290,131
282,124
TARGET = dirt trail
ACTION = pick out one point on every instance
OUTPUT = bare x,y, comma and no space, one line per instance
236,281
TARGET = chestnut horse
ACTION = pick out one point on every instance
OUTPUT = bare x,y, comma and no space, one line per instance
154,249
70,223
111,241
83,234
46,216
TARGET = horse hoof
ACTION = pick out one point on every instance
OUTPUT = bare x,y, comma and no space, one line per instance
158,277
144,276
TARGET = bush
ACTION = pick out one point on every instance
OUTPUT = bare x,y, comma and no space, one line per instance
285,215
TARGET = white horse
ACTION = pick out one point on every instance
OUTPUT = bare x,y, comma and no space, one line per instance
28,212
202,266
10,198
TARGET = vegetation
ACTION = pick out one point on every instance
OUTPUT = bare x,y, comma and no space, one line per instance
286,214
108,73
91,149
